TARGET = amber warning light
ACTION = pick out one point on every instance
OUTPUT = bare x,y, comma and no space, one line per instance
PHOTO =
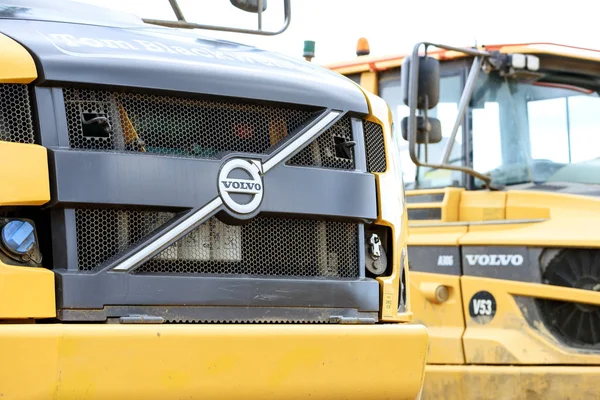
362,47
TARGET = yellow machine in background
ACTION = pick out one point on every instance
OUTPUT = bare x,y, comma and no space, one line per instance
501,160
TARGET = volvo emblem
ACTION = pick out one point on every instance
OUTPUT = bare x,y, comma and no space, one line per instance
240,185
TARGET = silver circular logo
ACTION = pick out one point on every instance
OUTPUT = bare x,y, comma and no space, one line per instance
240,185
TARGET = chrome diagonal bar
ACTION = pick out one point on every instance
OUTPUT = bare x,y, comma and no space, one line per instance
189,223
300,141
172,235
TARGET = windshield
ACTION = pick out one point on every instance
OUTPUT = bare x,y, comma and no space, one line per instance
518,132
537,132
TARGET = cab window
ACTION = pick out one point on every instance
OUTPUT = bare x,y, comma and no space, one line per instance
354,77
451,85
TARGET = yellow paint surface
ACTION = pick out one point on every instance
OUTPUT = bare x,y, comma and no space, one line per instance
368,80
382,63
449,205
508,338
17,64
26,292
482,206
568,225
511,383
444,321
436,235
392,213
24,174
85,361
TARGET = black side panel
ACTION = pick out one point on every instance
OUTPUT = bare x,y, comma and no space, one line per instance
502,262
52,120
222,314
104,178
64,240
424,214
306,191
118,288
84,177
425,198
435,259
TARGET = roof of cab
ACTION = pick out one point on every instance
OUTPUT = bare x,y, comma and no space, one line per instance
379,63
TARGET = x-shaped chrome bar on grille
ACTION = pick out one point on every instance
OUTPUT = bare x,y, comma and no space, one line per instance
187,224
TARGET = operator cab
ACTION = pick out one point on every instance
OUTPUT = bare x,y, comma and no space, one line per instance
527,121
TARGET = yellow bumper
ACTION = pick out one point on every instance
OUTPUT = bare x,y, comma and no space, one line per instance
211,361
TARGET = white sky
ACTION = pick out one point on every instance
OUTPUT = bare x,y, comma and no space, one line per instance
392,26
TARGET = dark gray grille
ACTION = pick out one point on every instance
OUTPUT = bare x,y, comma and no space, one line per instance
263,247
16,123
374,147
176,126
322,151
104,233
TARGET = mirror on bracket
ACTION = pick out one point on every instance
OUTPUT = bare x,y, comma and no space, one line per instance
251,6
428,130
199,15
420,86
429,82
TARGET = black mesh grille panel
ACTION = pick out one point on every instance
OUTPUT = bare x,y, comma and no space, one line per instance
323,153
16,123
174,126
263,247
374,147
104,233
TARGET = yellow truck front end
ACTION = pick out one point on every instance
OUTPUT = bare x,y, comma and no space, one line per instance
189,218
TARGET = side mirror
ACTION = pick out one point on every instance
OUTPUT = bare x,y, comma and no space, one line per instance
249,5
257,7
429,82
431,127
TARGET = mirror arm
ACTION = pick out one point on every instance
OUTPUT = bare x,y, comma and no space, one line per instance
465,50
485,178
260,7
177,10
462,107
190,25
413,83
426,121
